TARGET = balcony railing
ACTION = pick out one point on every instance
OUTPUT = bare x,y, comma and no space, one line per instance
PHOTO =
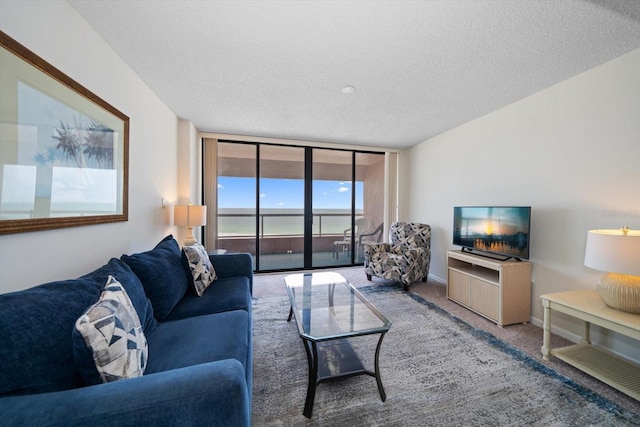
281,224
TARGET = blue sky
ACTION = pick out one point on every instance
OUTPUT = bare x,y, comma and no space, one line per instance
238,192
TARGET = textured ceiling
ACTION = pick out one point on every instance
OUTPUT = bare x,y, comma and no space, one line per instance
419,68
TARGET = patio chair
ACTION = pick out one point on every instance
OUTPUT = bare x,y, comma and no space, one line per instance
405,259
362,226
370,238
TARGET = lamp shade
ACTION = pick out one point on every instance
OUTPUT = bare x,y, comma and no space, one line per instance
189,215
613,251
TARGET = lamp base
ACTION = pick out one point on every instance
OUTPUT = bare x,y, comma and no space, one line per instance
189,240
620,291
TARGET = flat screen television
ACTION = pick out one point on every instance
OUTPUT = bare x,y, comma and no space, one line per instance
500,232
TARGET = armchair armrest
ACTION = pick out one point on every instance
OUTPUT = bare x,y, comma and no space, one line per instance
232,265
212,393
371,249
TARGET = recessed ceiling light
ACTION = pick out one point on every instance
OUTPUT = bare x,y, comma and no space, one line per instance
348,89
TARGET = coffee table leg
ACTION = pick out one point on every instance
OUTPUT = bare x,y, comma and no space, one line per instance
290,313
312,358
383,395
332,288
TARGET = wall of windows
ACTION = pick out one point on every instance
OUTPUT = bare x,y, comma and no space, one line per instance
292,207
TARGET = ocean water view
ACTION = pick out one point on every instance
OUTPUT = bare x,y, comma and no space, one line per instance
282,222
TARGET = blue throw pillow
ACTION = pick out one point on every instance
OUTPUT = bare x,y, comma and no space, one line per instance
131,283
162,273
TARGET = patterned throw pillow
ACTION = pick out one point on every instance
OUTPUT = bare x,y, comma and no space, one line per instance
200,266
111,331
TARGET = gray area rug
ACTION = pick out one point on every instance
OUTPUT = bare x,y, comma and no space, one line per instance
436,370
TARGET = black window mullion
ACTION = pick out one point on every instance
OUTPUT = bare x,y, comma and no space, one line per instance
308,207
258,216
353,207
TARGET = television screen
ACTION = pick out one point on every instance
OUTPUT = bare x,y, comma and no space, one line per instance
501,230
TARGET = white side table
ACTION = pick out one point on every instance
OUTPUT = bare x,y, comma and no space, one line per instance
217,252
609,368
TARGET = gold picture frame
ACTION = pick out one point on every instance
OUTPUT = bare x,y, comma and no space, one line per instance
64,151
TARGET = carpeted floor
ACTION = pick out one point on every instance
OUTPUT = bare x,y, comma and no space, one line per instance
417,383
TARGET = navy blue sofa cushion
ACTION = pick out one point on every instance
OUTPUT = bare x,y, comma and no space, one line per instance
162,273
200,339
234,265
35,336
229,293
212,394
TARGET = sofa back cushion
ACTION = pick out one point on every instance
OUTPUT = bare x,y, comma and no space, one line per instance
163,275
131,283
35,334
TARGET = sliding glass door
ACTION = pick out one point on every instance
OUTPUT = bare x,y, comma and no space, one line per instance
369,201
281,207
237,204
296,207
332,207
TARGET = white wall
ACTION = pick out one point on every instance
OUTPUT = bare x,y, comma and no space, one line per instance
56,32
189,152
571,152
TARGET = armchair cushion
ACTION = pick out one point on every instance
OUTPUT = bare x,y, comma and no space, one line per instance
372,248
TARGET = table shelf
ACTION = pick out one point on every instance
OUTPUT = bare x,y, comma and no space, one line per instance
615,371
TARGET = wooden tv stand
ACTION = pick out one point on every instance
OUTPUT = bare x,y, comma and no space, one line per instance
497,290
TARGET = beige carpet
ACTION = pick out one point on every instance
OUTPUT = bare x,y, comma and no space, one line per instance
526,338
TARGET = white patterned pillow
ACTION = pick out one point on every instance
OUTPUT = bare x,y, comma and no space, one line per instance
201,268
111,331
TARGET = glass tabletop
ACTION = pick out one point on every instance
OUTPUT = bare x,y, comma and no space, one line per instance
327,307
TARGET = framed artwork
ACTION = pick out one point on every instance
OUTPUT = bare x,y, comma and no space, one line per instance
63,150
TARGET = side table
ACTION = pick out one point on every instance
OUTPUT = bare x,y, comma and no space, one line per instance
607,367
217,252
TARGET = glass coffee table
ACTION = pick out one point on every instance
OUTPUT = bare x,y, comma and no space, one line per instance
329,311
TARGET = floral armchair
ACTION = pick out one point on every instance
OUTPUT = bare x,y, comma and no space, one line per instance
405,259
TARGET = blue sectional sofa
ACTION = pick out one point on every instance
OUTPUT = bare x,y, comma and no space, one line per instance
198,362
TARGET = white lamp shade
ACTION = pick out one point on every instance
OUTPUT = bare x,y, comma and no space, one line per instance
189,215
613,251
